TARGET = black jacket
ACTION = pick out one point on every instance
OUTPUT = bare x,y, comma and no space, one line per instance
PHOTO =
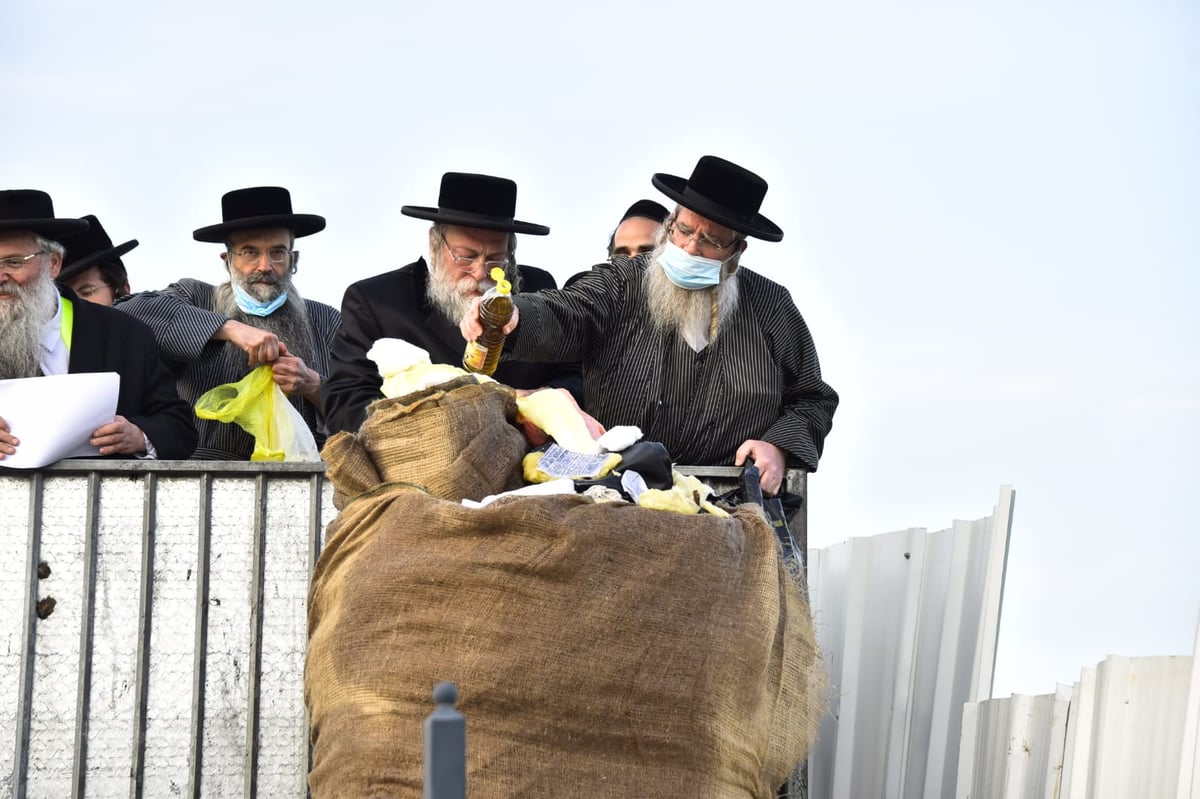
394,305
106,340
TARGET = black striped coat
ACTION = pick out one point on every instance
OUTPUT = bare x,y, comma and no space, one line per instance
760,379
183,321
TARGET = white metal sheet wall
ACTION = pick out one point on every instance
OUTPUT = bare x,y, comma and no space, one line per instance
1126,730
908,622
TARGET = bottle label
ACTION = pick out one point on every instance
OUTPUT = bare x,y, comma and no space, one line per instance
561,462
474,356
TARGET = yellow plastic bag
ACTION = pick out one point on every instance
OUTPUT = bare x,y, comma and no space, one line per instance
258,406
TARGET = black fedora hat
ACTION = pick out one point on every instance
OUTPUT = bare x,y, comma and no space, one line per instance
259,207
91,248
646,209
32,210
479,201
724,192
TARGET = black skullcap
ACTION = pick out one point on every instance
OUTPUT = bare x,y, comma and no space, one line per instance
647,209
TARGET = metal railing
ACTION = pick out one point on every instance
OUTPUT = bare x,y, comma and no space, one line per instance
152,627
153,623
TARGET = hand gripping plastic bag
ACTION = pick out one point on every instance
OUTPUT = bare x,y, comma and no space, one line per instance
259,406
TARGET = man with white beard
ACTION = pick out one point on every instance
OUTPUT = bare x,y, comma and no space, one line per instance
211,335
45,330
473,231
705,356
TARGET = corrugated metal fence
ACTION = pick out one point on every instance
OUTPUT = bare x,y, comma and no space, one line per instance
1129,729
908,622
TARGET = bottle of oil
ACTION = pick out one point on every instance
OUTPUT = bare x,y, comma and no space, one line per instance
495,309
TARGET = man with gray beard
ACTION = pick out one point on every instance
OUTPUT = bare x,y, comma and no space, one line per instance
705,356
213,335
46,330
473,231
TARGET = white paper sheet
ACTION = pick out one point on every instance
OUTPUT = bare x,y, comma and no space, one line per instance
53,417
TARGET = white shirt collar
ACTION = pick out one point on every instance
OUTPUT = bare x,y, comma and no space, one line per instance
55,358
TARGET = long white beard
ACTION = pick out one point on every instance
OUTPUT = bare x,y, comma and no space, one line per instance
695,314
21,322
452,298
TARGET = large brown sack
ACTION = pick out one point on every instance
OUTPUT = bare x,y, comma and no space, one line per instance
454,440
598,650
603,650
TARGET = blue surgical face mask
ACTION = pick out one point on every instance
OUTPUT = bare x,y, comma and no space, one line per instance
255,307
689,271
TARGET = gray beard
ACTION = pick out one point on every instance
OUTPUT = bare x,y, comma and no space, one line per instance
289,322
452,300
695,314
21,323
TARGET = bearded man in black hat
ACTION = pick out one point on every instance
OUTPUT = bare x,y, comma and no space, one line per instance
473,231
704,355
92,267
212,335
47,330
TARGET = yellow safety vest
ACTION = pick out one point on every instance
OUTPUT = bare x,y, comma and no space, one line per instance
68,321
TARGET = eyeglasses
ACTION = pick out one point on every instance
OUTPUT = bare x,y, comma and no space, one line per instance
89,290
465,262
15,263
682,234
251,255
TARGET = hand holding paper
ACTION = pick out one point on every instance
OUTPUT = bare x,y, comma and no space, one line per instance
51,418
119,437
8,441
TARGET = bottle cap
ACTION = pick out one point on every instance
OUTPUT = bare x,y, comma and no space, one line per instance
502,285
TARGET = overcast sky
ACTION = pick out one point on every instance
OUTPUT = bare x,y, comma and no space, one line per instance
990,221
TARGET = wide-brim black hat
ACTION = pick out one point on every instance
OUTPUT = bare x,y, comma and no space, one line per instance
259,207
32,210
91,248
479,201
724,192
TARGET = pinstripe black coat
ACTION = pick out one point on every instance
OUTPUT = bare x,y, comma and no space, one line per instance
393,305
760,379
183,321
103,340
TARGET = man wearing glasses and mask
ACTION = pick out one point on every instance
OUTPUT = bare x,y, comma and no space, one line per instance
704,355
473,231
213,335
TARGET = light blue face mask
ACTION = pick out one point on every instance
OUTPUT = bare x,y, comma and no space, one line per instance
689,271
255,307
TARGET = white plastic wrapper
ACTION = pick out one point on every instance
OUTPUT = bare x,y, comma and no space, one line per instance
406,368
620,438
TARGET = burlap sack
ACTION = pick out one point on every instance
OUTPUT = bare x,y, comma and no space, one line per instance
599,650
455,440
